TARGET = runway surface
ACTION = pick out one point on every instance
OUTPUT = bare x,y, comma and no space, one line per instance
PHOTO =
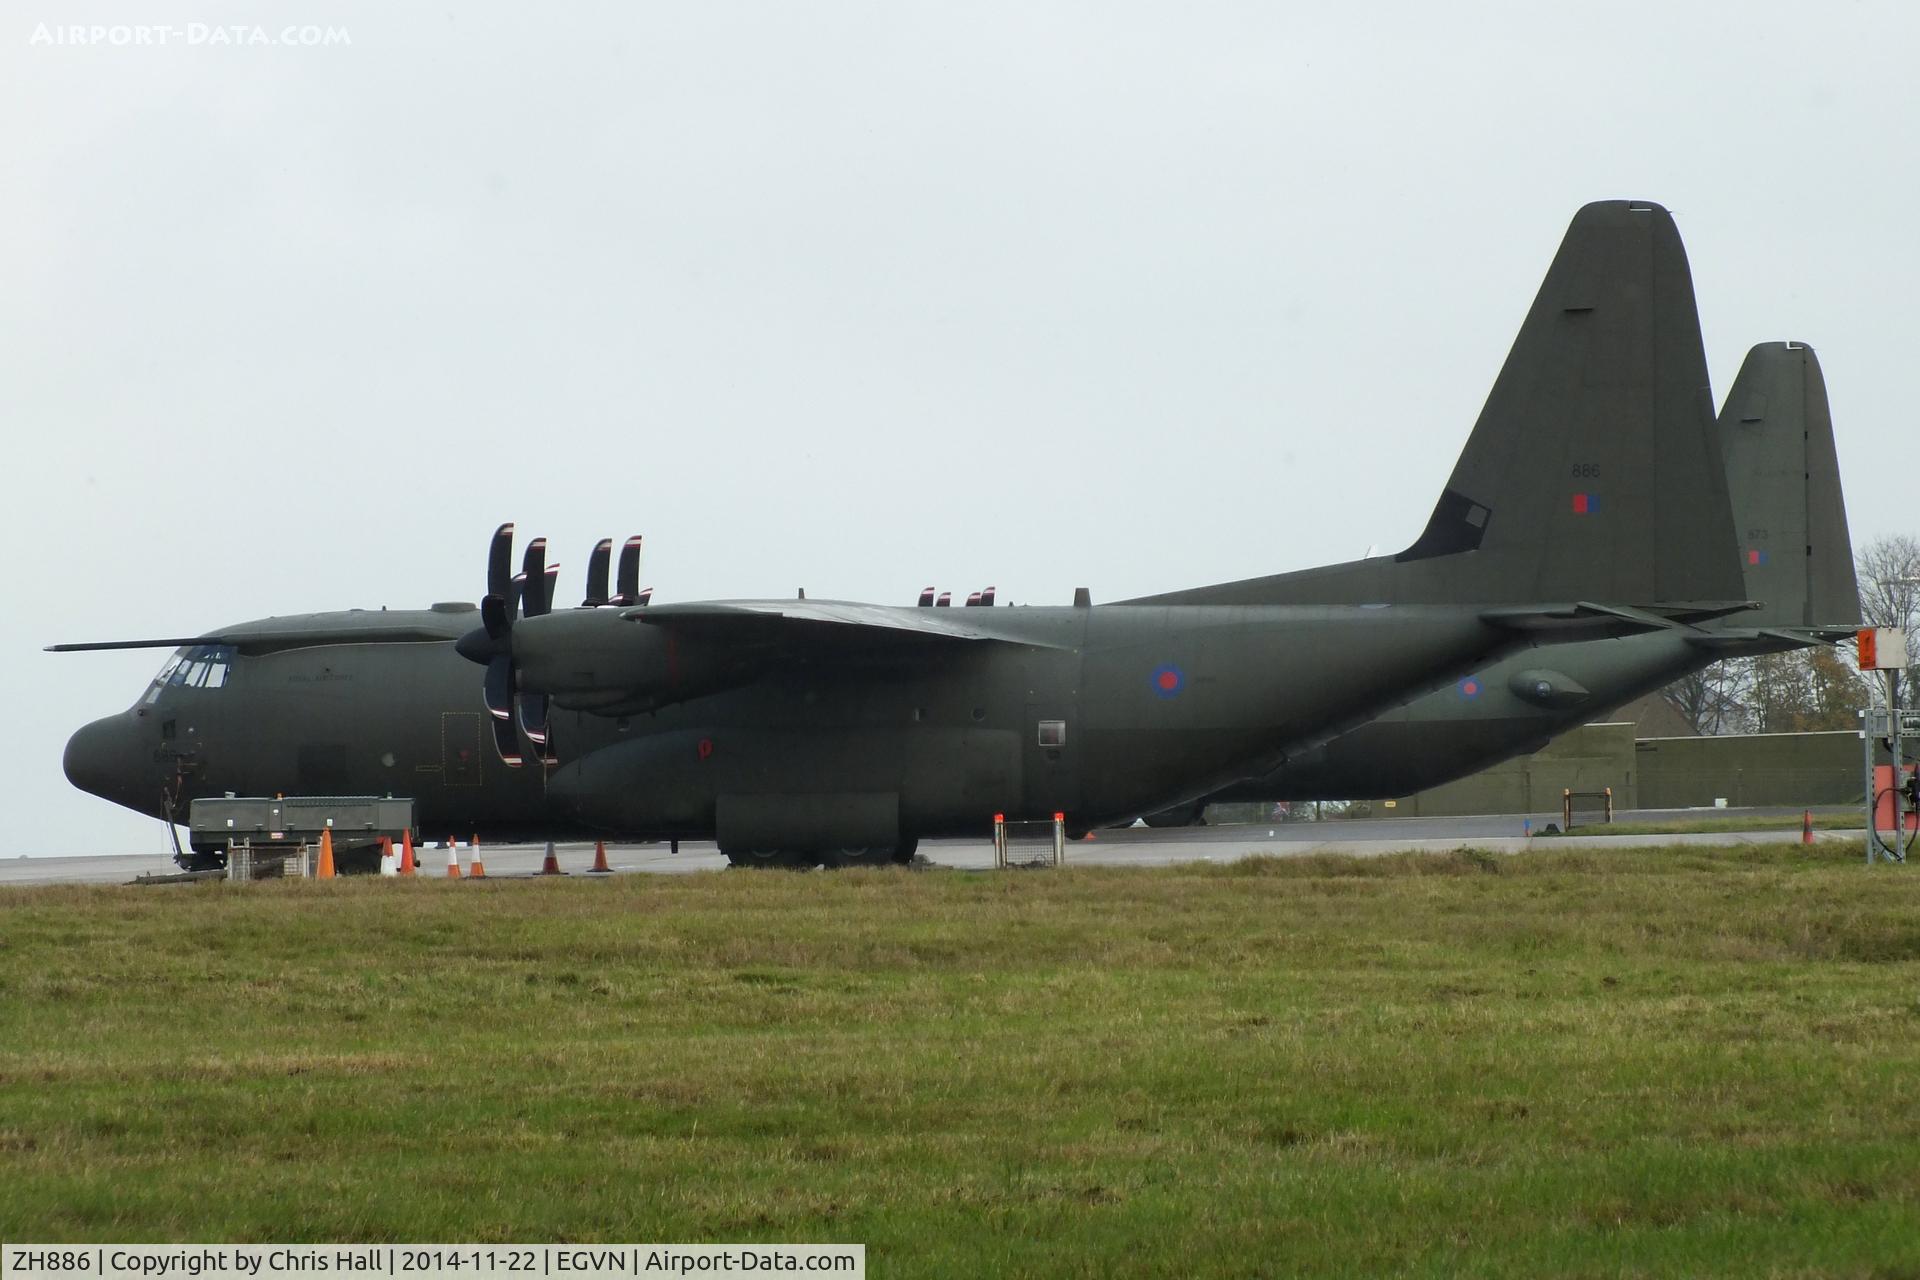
1135,846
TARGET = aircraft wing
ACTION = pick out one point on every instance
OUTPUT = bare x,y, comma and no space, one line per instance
807,622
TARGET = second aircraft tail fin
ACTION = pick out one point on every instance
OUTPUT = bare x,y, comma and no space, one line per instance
1783,477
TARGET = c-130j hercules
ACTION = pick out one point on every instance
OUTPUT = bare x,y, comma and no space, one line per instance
1589,501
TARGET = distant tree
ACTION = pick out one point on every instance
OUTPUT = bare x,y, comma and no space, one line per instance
1837,687
1889,573
1714,699
1806,691
1796,692
1781,698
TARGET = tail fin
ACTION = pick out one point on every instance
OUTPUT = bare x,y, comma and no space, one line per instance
1783,477
1593,472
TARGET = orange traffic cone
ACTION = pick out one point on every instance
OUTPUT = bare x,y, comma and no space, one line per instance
325,870
476,870
389,860
1806,826
600,857
453,860
406,853
551,867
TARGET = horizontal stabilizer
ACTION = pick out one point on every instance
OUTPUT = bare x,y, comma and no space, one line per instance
1585,618
1772,639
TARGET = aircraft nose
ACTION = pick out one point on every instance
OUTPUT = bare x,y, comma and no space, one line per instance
103,759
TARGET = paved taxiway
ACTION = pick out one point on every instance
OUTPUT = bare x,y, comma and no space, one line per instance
1136,846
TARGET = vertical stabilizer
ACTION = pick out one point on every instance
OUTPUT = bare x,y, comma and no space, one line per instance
1593,472
1783,478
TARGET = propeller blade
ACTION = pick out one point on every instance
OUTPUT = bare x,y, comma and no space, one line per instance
496,615
597,564
926,598
627,583
533,722
497,609
973,599
548,587
506,743
945,600
499,687
986,597
500,560
533,572
645,598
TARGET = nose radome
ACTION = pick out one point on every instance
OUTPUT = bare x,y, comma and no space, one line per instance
101,759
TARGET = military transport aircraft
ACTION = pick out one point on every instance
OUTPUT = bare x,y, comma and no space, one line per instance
1783,479
1590,501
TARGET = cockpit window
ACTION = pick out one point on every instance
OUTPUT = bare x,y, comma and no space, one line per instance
199,666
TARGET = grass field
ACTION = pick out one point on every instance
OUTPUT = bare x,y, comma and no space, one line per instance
1640,1062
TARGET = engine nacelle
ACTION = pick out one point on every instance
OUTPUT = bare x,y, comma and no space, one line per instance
596,661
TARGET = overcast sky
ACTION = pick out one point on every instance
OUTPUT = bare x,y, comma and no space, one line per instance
852,297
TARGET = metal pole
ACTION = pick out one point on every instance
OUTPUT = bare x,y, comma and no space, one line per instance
1894,778
1866,743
